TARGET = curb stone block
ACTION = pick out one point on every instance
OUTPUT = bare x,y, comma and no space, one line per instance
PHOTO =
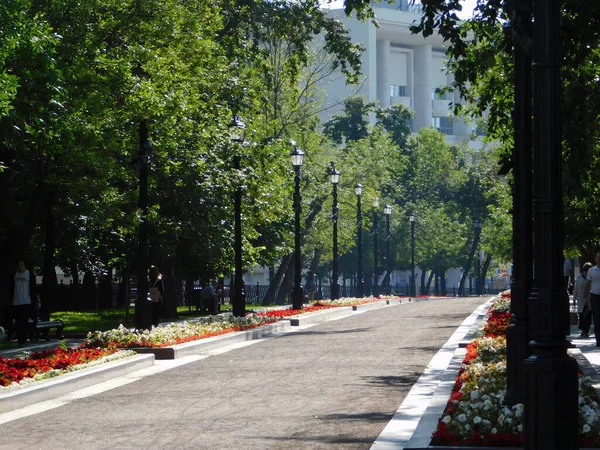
203,345
51,388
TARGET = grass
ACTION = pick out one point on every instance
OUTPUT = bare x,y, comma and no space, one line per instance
81,322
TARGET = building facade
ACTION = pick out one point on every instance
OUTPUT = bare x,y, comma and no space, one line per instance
400,67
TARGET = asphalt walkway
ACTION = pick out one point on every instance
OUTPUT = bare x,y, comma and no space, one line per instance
330,386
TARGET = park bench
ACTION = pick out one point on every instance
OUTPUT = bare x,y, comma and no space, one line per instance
44,327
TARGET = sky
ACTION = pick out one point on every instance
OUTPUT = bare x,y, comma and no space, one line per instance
467,11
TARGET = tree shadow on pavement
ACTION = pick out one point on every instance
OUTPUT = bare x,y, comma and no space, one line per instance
430,348
363,417
394,380
322,439
353,330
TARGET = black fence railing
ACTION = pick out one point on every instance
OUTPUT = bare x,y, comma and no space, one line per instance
79,297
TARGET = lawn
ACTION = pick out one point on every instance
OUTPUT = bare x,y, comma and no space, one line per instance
81,322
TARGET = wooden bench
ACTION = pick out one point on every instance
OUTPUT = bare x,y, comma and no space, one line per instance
44,326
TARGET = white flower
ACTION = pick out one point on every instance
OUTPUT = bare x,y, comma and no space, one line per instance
519,408
586,428
462,418
446,420
477,420
494,430
474,395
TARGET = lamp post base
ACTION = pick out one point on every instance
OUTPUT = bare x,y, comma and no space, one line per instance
335,291
298,298
551,419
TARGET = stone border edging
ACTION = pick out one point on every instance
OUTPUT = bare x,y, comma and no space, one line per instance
50,388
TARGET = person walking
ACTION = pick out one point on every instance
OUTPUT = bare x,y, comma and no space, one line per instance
584,309
156,293
25,297
592,295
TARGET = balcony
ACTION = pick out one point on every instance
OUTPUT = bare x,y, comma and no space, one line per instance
440,107
404,100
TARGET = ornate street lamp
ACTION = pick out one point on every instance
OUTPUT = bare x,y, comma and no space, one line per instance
375,292
551,389
143,312
334,176
387,210
297,156
517,340
237,130
413,290
360,277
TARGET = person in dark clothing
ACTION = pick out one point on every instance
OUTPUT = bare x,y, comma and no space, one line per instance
156,293
24,300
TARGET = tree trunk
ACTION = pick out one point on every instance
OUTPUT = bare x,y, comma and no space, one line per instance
276,281
467,268
171,282
286,285
428,286
484,269
189,291
436,288
385,283
423,275
314,264
48,271
16,241
443,282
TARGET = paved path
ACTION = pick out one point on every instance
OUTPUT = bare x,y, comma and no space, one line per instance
331,386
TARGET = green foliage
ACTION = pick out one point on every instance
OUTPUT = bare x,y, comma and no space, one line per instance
78,79
480,52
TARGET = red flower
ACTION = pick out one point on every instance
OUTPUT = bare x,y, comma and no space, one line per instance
16,369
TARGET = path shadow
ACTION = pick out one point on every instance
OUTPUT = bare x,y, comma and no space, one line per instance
362,417
394,380
313,332
321,439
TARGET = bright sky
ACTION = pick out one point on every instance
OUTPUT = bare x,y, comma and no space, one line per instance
467,11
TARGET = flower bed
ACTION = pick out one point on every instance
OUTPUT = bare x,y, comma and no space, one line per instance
475,414
34,366
319,305
175,333
205,327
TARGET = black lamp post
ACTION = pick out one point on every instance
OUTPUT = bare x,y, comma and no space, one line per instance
297,157
522,271
143,317
360,277
334,175
375,292
413,291
387,210
237,130
551,391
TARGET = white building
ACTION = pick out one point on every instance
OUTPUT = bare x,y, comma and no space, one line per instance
400,67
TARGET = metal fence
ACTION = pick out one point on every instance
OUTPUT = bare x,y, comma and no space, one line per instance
256,294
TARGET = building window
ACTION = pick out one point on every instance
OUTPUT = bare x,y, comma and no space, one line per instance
397,91
442,124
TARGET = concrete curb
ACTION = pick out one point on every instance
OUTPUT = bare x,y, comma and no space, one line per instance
203,345
51,388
